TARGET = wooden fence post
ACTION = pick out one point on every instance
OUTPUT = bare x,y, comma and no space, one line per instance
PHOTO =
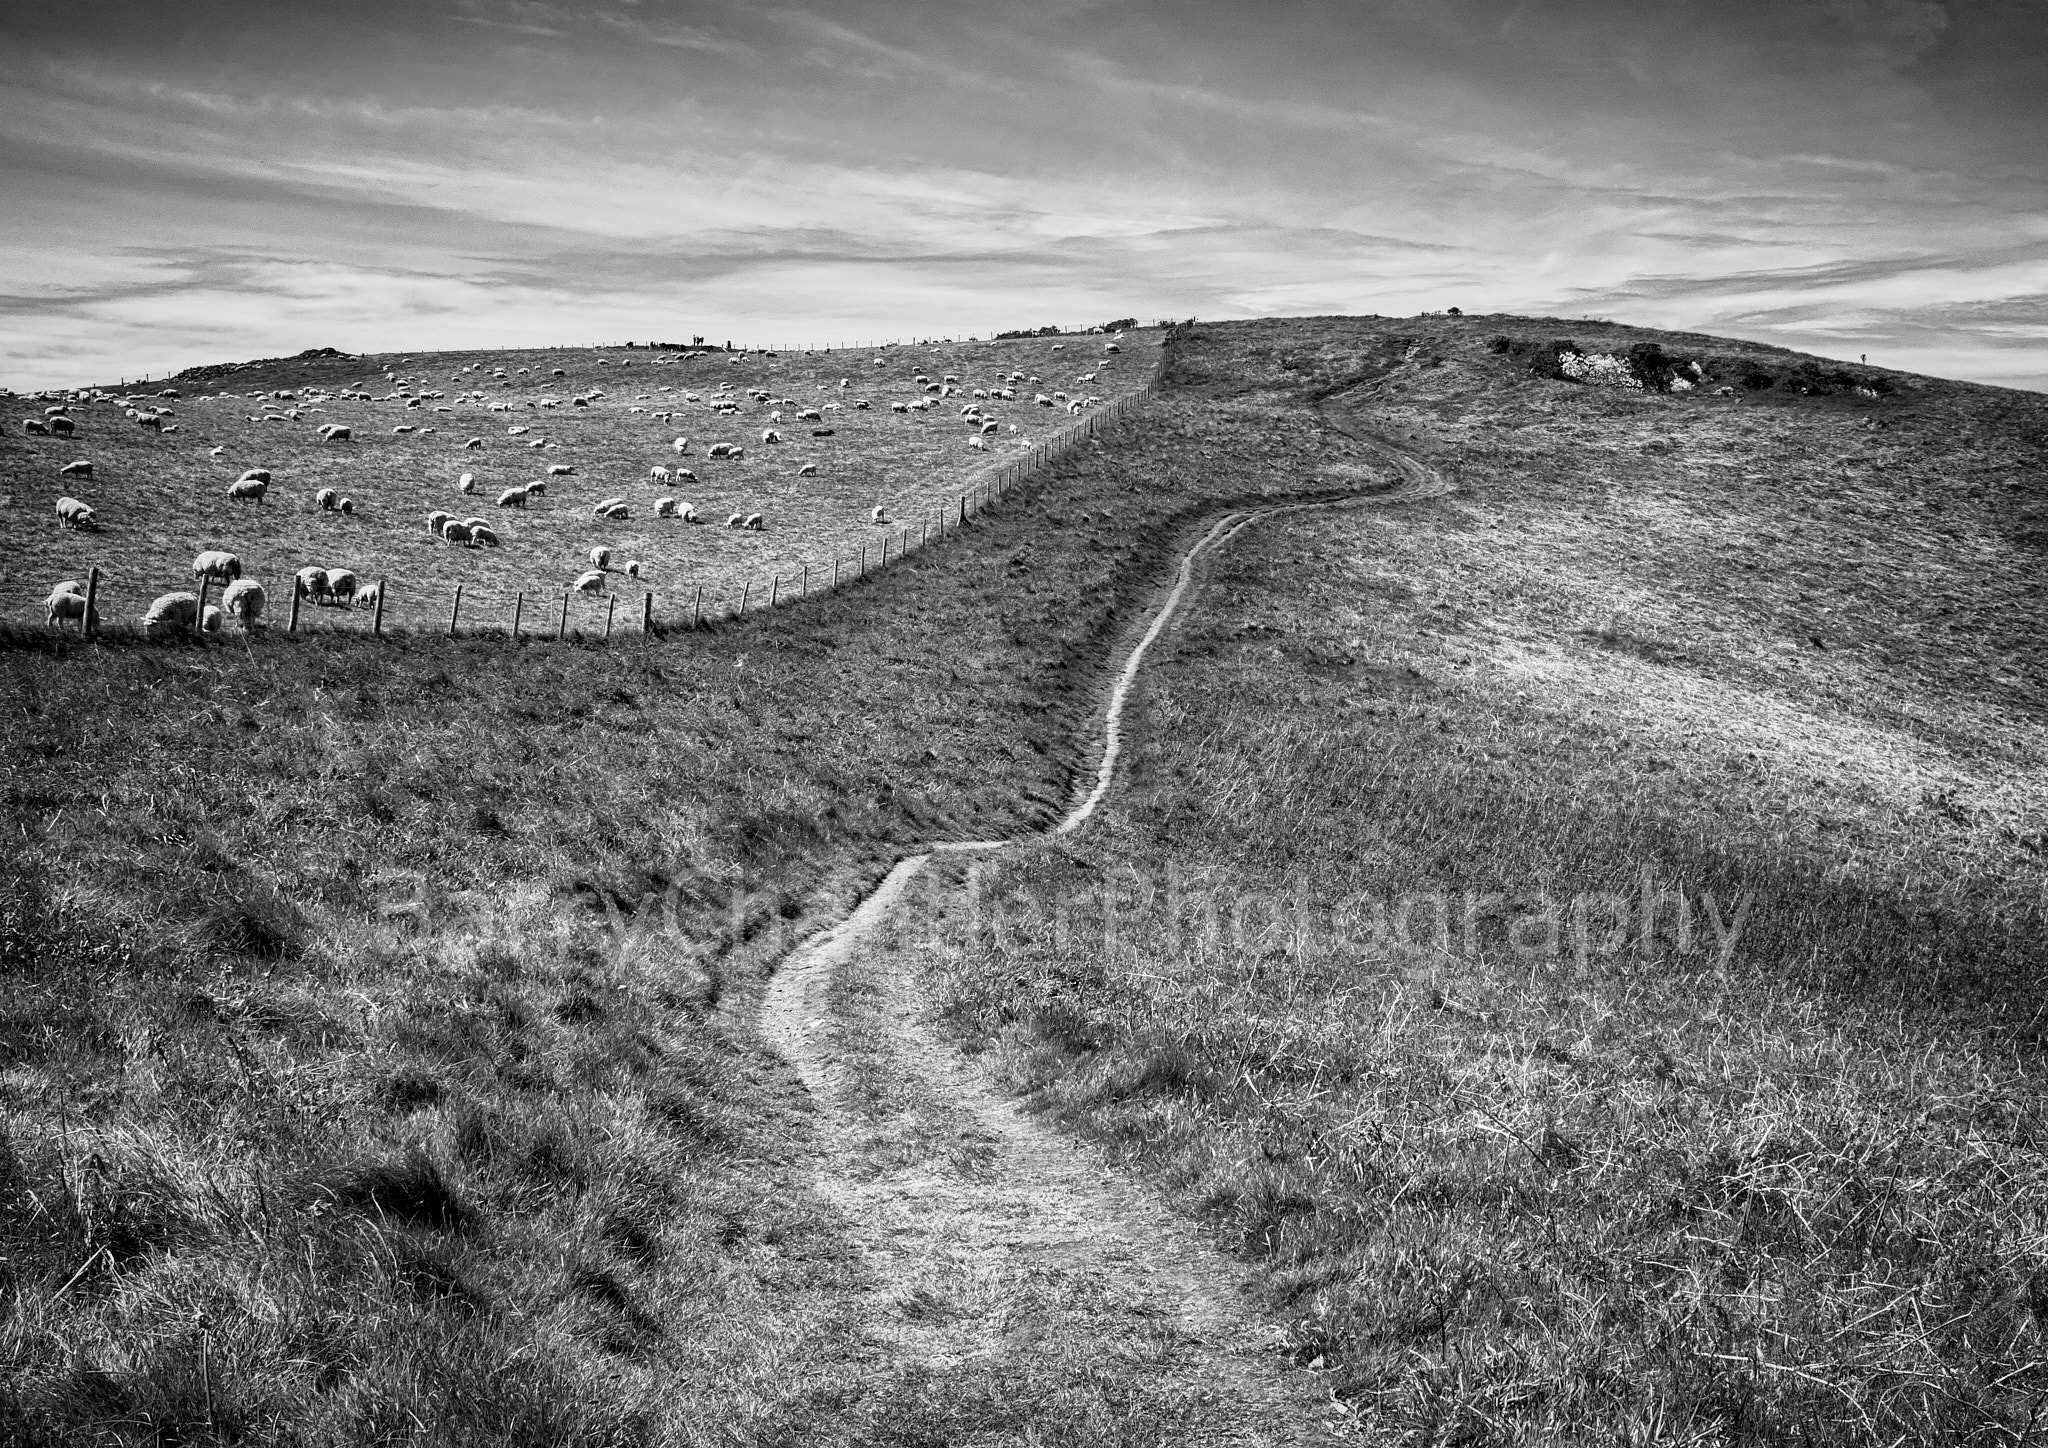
807,582
562,627
647,613
377,614
885,550
775,591
835,572
611,606
963,507
746,589
454,610
92,602
863,571
697,609
518,607
199,613
292,626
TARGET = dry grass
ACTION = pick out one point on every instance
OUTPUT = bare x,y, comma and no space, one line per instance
1618,1191
162,499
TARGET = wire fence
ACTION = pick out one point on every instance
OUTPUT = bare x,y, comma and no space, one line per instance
570,614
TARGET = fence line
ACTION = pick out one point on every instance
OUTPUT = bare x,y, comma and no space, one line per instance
983,491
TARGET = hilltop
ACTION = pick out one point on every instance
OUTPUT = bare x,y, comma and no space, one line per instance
381,1055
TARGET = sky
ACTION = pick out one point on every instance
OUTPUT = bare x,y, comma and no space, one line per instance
223,179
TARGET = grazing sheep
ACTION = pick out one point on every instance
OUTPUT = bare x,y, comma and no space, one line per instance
367,597
682,444
517,431
244,600
340,585
688,514
436,518
770,435
259,475
657,474
482,535
592,582
62,427
979,444
684,475
737,452
249,490
402,428
170,613
991,426
151,420
721,449
35,427
605,505
512,498
79,469
538,487
735,520
808,470
67,601
215,452
456,531
664,507
213,563
600,559
879,515
475,523
467,482
347,507
753,522
336,432
210,621
474,442
632,568
309,582
326,498
561,470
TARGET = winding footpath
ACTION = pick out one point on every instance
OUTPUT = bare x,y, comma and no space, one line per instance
976,1217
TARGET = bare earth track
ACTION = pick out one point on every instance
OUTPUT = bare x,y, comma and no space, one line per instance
1012,1211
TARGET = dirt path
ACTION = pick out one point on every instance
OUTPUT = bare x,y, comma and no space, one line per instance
990,1233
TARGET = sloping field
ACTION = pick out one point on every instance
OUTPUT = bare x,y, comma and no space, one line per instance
162,498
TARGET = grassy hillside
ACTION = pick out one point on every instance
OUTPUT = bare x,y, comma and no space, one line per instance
161,498
377,1060
1360,963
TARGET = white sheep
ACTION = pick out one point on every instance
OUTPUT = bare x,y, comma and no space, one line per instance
347,507
79,469
592,582
721,450
632,568
560,470
170,613
684,475
682,444
467,482
35,427
215,452
512,498
600,558
326,498
735,520
457,531
224,567
310,583
753,522
664,507
808,470
770,435
474,442
688,514
604,505
368,597
67,601
210,621
340,585
335,432
538,488
244,600
402,429
482,534
436,519
248,490
657,474
879,515
978,443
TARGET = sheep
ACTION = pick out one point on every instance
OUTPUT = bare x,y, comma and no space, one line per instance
538,488
517,431
561,470
770,435
210,621
682,444
721,450
753,522
213,563
664,507
368,597
735,520
657,474
688,514
466,483
79,469
347,507
879,515
35,427
456,531
482,534
170,612
474,442
326,498
899,407
62,427
512,498
991,426
67,602
978,443
244,600
249,489
475,523
605,505
682,475
402,429
340,585
151,420
259,475
632,568
336,432
436,518
600,558
309,583
1111,347
592,582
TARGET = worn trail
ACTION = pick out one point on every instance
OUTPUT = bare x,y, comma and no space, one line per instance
990,1232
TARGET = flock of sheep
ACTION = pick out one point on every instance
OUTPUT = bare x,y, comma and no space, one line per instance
243,599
